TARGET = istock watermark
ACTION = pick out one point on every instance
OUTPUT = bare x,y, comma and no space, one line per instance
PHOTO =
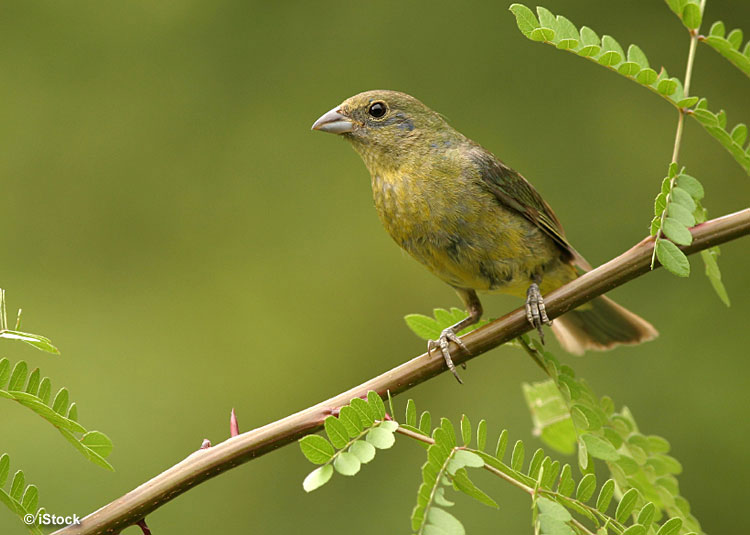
48,519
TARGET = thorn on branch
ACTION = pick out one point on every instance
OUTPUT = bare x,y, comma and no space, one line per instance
234,428
205,444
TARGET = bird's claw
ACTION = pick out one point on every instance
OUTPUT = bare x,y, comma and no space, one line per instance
535,311
443,343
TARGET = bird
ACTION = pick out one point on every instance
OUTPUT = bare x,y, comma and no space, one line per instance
474,222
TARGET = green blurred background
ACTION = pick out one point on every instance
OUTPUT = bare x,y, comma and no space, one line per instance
172,224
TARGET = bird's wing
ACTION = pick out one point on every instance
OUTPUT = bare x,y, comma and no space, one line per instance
514,191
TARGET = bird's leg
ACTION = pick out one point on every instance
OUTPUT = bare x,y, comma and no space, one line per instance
535,311
474,307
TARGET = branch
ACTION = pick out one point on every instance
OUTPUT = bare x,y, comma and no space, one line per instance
207,463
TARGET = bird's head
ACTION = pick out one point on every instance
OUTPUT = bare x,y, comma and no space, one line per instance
384,126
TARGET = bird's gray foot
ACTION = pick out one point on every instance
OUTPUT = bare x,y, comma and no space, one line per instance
535,311
443,343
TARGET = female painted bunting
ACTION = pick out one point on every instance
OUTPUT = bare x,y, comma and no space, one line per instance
471,220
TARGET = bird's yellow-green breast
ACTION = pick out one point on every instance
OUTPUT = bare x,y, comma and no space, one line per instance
432,194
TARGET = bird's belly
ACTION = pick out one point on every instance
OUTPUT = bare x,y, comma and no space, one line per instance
490,257
469,242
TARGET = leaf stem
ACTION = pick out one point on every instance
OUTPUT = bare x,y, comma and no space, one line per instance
686,86
694,33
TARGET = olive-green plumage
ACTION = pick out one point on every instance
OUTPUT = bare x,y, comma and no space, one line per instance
471,220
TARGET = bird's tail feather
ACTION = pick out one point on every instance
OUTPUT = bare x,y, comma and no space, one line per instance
600,326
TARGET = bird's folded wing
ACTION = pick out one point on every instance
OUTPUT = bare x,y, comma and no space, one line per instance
514,191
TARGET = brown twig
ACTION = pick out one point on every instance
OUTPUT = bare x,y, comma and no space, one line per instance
207,463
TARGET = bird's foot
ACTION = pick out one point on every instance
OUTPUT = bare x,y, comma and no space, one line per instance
535,311
443,343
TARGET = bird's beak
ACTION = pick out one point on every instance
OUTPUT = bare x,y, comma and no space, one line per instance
334,122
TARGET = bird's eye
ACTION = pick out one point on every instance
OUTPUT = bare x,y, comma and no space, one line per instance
377,109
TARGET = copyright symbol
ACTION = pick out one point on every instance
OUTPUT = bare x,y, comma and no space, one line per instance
28,519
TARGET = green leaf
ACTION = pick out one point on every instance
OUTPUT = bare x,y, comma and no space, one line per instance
336,432
462,483
566,33
376,404
550,415
691,185
411,413
38,341
17,485
516,458
677,6
585,417
446,522
628,68
4,468
713,273
680,214
502,443
626,505
364,411
346,463
450,433
660,203
717,29
735,38
567,485
646,515
45,388
425,423
739,134
440,498
535,464
586,488
546,18
348,416
482,434
423,326
646,76
30,498
635,529
60,404
468,458
605,495
687,102
691,16
553,518
98,442
612,53
525,19
465,430
667,86
380,438
657,444
599,448
389,425
636,55
32,387
317,478
550,471
18,376
676,231
542,35
4,372
317,449
672,258
364,451
590,43
670,527
73,412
